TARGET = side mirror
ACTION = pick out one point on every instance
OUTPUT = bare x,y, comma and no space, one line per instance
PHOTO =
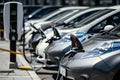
76,44
39,30
108,27
56,36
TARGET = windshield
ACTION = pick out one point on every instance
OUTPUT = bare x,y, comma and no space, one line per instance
50,13
67,17
93,17
35,12
60,15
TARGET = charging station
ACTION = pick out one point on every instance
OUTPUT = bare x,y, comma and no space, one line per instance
13,23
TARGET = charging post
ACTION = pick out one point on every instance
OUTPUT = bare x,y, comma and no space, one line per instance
13,23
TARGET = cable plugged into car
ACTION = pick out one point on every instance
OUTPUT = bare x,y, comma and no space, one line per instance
76,47
56,35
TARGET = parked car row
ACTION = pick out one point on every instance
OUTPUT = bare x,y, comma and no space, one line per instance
82,42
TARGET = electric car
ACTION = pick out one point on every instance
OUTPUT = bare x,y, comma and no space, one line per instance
64,22
96,59
33,35
58,14
29,30
52,14
27,9
41,12
92,24
48,17
72,18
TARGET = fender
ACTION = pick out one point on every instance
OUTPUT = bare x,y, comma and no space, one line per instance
110,62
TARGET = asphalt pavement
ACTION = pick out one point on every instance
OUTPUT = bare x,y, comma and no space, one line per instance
8,73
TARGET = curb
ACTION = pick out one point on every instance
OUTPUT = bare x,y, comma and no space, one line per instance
33,75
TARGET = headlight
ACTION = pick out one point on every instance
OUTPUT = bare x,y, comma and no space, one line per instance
103,49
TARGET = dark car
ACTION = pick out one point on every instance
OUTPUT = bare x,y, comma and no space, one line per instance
41,12
28,9
97,59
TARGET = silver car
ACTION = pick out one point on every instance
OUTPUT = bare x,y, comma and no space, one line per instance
97,59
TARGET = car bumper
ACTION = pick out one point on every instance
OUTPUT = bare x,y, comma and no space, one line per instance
85,75
86,69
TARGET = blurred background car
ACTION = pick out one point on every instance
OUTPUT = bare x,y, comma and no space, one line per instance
28,9
40,12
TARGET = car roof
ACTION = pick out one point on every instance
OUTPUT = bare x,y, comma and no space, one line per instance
115,7
52,6
73,7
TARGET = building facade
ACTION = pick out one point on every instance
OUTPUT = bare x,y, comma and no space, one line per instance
68,2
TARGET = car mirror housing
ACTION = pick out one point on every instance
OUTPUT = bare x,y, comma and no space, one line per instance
76,44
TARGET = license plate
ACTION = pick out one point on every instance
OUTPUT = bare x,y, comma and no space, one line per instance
63,71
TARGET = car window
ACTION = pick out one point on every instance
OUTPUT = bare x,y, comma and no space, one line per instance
93,17
60,15
67,17
112,20
82,17
50,13
45,11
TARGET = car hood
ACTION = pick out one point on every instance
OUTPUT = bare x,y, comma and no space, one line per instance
33,21
43,23
98,46
94,49
64,44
